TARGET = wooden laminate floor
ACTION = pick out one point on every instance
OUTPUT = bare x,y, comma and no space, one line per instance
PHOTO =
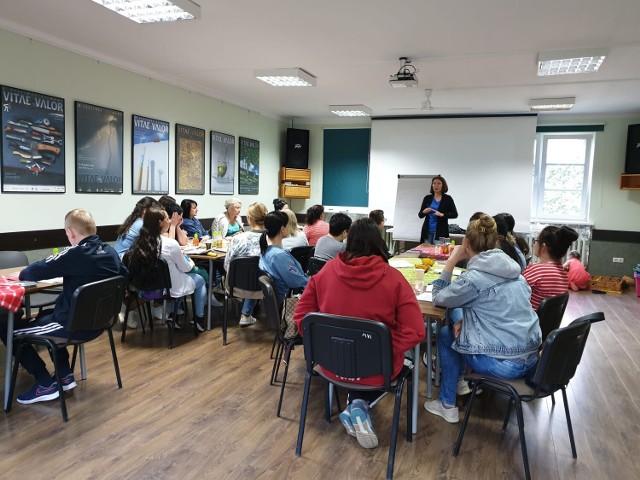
206,411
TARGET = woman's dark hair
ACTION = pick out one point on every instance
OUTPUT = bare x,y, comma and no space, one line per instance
313,214
273,223
186,205
143,204
141,257
445,187
476,216
166,200
504,239
365,240
558,240
521,243
377,216
278,204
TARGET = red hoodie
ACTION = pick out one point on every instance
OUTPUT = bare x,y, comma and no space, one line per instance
366,287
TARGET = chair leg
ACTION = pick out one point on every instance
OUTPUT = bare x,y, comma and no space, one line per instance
456,449
410,387
63,404
507,415
328,401
14,374
273,347
394,429
73,357
287,354
225,315
115,358
569,426
523,442
553,399
303,412
276,364
83,362
124,324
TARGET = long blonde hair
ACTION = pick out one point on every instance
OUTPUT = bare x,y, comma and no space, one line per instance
256,214
482,234
292,226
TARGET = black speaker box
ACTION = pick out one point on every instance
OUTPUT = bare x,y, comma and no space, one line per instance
632,164
297,148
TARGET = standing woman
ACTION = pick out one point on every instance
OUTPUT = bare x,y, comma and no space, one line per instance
230,222
130,229
437,208
548,277
285,270
315,226
190,222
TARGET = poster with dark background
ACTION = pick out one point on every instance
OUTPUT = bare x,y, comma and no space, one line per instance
32,142
189,160
249,166
99,149
150,156
223,163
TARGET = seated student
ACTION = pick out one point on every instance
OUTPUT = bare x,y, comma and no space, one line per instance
190,222
378,217
579,278
285,270
295,237
280,204
247,244
521,243
153,243
175,215
315,226
548,278
130,229
360,283
496,331
507,243
332,244
87,260
229,222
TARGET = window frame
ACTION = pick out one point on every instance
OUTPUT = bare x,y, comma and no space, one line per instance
540,168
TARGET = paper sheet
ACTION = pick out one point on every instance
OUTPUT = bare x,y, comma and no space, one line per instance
425,297
399,263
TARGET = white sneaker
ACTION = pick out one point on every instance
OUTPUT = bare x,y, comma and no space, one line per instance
246,320
121,317
219,289
132,322
157,311
463,388
451,415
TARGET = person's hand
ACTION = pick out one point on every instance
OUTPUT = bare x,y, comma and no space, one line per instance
457,327
426,211
176,219
438,214
459,254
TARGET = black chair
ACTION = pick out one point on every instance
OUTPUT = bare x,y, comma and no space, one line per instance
94,308
302,255
353,348
156,283
285,345
550,313
242,282
315,265
558,362
11,259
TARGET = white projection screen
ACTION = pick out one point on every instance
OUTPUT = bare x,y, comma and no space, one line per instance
487,162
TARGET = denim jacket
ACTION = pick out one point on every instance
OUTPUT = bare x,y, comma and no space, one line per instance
498,319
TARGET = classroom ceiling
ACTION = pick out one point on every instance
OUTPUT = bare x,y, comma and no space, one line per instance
477,56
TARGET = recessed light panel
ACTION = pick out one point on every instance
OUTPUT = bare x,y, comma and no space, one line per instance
350,110
568,62
286,77
148,11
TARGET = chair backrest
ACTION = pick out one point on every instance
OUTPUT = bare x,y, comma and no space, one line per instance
12,258
243,274
155,278
315,265
95,306
561,355
302,255
348,347
270,303
550,313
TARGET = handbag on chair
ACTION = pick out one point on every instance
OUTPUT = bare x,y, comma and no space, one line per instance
288,325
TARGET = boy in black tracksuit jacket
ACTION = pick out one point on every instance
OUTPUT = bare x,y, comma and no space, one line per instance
87,260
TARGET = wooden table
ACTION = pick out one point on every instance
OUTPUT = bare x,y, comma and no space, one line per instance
10,322
211,260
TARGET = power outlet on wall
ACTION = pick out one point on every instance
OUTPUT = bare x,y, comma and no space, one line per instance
618,260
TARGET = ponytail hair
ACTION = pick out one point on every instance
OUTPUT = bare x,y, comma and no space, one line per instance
506,242
273,223
558,240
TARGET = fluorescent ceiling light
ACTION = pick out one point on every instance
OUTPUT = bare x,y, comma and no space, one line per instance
350,110
286,77
551,104
570,61
148,11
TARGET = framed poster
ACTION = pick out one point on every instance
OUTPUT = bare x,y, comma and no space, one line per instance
189,160
32,142
99,149
249,166
150,156
223,163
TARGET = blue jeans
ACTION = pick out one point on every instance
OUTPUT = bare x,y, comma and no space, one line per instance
431,238
453,365
248,305
199,295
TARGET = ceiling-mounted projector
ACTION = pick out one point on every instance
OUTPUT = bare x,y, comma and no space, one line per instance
406,76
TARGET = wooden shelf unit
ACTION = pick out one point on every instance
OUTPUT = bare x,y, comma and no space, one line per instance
294,182
630,181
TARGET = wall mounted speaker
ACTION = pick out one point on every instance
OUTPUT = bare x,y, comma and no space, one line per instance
632,164
297,148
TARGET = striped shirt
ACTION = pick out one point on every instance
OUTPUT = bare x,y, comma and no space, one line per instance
315,231
546,280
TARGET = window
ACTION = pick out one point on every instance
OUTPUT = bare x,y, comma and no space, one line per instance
562,178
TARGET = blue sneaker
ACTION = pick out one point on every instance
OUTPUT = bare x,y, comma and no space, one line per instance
39,393
68,382
345,418
361,422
